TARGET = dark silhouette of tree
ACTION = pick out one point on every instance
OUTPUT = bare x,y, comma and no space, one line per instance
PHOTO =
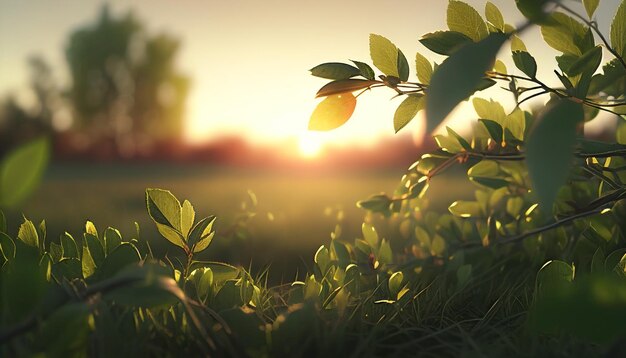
19,124
125,87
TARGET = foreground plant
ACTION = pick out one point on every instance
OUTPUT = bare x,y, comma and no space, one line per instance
534,266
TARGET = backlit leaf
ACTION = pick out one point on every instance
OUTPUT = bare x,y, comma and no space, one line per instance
407,110
164,208
564,34
28,234
444,42
21,170
395,283
465,209
517,44
202,234
332,112
423,68
532,9
70,250
384,54
403,67
344,86
591,6
618,30
489,109
465,19
458,76
369,234
550,148
587,63
335,71
525,63
188,216
95,249
365,70
494,16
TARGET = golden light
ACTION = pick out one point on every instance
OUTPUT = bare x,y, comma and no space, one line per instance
310,145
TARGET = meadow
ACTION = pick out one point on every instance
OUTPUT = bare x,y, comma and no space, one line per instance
296,212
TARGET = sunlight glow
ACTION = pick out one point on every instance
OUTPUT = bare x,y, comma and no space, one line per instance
309,145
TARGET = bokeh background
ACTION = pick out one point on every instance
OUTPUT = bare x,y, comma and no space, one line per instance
211,99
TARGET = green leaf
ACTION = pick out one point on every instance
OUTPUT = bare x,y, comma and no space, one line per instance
202,234
564,34
164,208
465,209
550,148
384,54
423,68
322,259
500,67
335,71
365,70
465,19
618,30
113,239
458,76
90,228
533,10
385,256
121,257
515,122
70,250
87,264
403,67
494,129
620,135
494,16
28,234
489,110
517,44
554,275
188,216
591,6
395,283
165,211
444,42
448,144
95,249
407,110
487,173
369,234
332,112
587,63
21,171
376,203
462,141
69,268
525,63
3,222
344,86
7,246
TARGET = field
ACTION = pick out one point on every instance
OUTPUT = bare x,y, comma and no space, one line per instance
296,210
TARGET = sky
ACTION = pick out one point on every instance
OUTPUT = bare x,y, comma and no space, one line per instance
249,60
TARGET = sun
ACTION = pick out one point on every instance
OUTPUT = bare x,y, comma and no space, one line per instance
309,146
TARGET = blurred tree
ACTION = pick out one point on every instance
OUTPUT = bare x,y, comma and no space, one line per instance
19,123
125,88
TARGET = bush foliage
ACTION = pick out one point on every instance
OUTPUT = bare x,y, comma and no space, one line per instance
535,265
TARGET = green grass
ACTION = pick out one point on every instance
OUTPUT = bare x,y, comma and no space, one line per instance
297,210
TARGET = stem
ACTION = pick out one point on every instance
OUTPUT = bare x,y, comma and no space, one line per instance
594,27
552,225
